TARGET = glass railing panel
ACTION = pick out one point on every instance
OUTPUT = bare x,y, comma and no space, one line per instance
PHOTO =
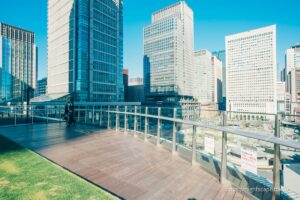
209,149
184,139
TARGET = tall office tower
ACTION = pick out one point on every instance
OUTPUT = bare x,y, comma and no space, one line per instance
292,68
41,87
85,49
208,71
222,56
252,71
125,83
18,64
168,54
217,79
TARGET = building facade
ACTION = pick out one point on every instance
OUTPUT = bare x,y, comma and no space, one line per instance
136,90
18,64
168,54
125,83
208,71
251,65
41,88
85,49
222,56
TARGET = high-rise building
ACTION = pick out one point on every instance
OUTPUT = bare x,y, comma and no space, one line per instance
281,96
292,70
41,88
217,79
136,90
168,54
251,65
222,56
18,64
85,49
208,71
125,83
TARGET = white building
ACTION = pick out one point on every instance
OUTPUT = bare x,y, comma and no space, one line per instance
217,79
281,96
208,71
293,79
168,54
252,71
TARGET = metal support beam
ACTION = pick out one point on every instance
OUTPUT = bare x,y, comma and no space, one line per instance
117,119
93,118
108,118
158,127
78,117
85,114
174,131
135,120
15,116
125,121
146,124
194,145
224,150
276,164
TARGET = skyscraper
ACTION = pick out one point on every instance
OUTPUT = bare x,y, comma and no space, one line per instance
292,70
252,71
208,71
18,64
168,54
85,49
222,56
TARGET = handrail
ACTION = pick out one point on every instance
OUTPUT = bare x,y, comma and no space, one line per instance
249,134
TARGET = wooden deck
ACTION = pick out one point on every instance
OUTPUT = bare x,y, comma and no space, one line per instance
122,164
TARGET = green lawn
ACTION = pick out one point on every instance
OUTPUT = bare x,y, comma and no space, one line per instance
26,175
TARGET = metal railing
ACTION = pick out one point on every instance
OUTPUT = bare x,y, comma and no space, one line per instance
149,122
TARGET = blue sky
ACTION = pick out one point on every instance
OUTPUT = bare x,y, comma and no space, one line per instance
213,21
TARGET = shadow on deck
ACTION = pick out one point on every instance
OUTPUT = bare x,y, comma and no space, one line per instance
122,164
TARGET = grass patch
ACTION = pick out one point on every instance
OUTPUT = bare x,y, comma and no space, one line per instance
26,175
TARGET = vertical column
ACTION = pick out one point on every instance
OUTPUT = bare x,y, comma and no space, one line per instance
158,127
15,109
32,120
125,120
117,118
93,118
47,118
101,116
85,114
108,117
194,145
146,124
224,150
174,132
78,117
135,120
276,164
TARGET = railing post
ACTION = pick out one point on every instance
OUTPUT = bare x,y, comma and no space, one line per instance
174,132
158,127
276,163
125,120
194,145
101,116
47,115
108,118
15,116
32,121
117,118
78,117
224,150
85,114
135,120
93,118
146,124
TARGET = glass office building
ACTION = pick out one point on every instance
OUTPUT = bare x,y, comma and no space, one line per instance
18,64
85,49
